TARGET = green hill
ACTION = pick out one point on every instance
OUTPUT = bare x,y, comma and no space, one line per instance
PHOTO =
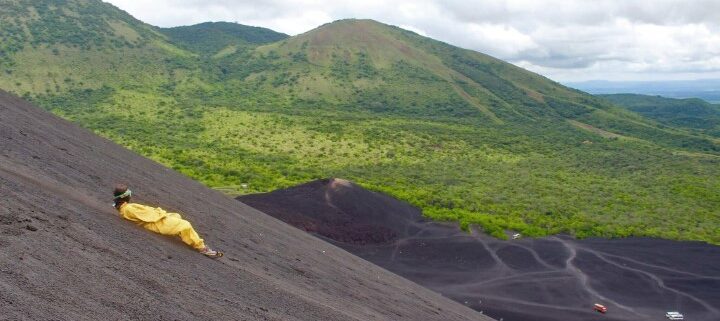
58,47
220,38
691,113
462,135
366,66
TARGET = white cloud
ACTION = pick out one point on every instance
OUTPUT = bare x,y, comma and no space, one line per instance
564,40
503,40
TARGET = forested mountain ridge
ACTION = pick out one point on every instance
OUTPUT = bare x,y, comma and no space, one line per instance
363,65
462,135
691,113
50,47
219,38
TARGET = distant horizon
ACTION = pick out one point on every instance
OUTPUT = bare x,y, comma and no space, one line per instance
643,81
705,89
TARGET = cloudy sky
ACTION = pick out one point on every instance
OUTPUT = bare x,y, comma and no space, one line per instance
562,39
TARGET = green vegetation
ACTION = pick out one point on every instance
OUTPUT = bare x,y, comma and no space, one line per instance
210,38
464,136
694,114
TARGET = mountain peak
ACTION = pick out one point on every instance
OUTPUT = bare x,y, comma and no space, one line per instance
354,22
349,33
211,37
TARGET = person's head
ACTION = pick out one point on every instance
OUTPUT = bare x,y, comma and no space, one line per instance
121,194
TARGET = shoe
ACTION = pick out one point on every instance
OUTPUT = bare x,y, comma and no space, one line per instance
211,253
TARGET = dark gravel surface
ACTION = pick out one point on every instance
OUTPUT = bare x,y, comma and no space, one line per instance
66,255
546,279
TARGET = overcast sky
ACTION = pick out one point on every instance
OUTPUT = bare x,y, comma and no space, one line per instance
563,40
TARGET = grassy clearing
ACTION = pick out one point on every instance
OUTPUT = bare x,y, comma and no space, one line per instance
460,172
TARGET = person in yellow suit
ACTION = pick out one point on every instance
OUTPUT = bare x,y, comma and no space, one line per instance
159,221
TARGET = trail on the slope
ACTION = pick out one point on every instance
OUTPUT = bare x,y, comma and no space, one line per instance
547,279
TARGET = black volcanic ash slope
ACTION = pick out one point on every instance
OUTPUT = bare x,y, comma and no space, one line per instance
548,279
66,255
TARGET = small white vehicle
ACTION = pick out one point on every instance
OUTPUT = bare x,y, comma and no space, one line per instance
516,236
674,316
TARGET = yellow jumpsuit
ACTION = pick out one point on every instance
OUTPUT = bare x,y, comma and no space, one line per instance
160,221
